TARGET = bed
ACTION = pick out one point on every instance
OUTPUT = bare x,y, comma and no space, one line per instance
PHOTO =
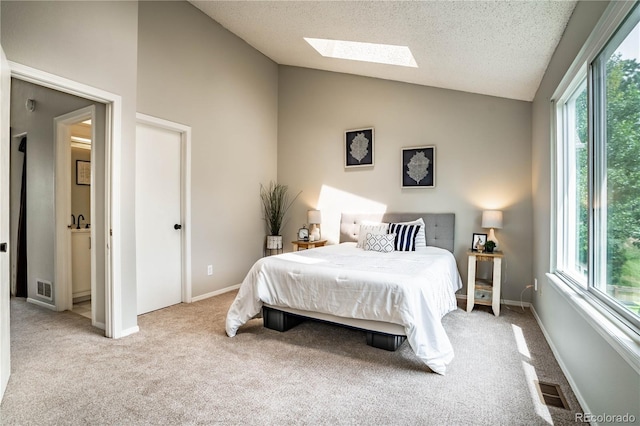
393,296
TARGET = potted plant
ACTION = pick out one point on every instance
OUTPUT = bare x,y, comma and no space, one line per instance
489,246
275,204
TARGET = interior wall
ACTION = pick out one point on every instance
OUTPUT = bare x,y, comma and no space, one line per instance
200,75
94,43
604,381
482,158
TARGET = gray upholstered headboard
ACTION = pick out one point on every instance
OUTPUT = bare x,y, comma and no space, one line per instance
439,227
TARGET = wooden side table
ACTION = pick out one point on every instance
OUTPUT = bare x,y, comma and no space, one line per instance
484,292
297,245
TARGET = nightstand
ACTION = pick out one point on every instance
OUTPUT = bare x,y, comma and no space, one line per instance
484,292
297,245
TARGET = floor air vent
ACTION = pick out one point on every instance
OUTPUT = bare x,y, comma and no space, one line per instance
550,394
45,289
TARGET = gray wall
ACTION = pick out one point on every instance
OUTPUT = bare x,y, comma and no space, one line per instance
603,379
483,147
199,74
94,43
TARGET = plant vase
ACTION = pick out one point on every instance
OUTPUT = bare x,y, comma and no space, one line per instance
274,242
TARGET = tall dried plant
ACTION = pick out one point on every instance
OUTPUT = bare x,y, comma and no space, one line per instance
275,204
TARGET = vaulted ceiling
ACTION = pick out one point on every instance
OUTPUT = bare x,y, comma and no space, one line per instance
498,48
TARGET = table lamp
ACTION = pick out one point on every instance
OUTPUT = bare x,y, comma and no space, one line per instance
314,218
492,219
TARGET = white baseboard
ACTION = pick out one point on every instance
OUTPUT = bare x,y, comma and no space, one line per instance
41,303
215,293
502,301
99,325
129,331
563,367
80,294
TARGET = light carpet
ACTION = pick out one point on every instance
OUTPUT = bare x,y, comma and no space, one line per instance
181,368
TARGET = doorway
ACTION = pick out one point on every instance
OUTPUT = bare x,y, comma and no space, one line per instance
82,277
108,232
47,116
111,200
75,187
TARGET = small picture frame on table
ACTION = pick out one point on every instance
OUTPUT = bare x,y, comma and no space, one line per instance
358,148
419,167
478,239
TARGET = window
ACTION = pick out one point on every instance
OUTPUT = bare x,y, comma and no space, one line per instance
598,175
574,154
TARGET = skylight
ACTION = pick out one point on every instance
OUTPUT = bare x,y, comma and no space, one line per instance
366,52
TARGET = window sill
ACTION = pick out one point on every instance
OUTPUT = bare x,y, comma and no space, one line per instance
617,333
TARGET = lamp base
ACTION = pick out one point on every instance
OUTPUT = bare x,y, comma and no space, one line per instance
315,231
492,237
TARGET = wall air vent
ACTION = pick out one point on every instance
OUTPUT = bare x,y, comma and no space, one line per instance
45,289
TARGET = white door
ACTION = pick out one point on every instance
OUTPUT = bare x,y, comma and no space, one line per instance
158,217
5,348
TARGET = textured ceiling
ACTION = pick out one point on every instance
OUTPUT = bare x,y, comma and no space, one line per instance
498,48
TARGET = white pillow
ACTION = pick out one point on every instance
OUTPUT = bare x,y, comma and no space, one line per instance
384,243
370,228
421,238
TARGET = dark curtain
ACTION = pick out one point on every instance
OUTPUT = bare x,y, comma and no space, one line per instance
21,270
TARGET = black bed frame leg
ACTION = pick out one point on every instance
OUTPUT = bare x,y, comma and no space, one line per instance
388,342
278,320
283,321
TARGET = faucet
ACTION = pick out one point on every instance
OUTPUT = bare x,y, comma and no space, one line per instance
79,216
73,220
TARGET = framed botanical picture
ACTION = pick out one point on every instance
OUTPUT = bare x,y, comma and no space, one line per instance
358,148
418,167
478,239
83,172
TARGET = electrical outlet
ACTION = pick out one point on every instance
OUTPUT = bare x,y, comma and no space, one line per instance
210,270
535,284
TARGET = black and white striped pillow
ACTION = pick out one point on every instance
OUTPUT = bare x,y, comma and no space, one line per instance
405,236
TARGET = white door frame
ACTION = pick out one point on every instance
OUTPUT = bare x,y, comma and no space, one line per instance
62,252
113,196
5,328
185,193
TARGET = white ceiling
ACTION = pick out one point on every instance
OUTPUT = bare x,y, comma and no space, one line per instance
498,48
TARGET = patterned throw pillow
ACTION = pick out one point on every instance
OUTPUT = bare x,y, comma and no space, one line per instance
421,238
405,236
370,228
384,243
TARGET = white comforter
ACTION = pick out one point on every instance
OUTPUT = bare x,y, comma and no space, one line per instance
412,289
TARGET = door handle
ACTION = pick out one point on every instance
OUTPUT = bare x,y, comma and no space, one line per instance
177,226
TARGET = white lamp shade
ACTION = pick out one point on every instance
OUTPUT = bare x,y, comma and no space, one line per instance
314,216
492,219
